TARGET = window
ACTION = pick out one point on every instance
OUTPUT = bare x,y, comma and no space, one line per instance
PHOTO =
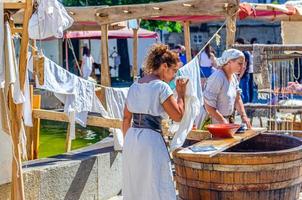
197,39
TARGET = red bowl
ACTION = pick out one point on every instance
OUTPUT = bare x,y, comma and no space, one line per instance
223,130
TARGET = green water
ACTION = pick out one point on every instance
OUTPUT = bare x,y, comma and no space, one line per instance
53,135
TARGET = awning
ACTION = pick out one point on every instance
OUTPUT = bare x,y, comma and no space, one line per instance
112,34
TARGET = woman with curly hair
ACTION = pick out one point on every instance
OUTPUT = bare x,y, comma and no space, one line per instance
146,163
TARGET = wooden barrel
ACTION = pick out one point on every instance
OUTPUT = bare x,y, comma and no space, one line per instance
266,167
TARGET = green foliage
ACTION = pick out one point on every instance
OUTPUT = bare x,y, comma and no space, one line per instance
152,25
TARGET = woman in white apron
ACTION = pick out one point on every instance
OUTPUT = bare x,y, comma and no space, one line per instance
147,171
222,92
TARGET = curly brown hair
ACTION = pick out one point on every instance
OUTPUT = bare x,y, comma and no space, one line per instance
157,55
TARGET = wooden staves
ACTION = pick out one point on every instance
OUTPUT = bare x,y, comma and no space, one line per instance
266,167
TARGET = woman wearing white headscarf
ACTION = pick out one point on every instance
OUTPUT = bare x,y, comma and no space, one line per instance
222,92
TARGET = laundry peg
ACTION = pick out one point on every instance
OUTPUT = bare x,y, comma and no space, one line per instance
39,66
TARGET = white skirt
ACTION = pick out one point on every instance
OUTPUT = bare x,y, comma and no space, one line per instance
147,173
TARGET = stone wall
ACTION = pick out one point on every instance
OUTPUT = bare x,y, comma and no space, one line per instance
92,173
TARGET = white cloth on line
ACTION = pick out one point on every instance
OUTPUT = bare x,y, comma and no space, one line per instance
193,102
50,19
146,163
27,105
116,99
76,93
11,68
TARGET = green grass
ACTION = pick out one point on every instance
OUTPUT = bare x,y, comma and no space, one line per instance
53,135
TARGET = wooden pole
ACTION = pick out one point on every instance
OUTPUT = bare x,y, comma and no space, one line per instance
16,111
36,127
187,40
105,76
135,46
231,26
17,189
68,140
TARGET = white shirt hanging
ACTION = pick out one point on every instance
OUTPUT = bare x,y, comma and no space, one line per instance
50,19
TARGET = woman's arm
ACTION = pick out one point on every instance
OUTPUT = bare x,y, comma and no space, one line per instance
240,108
126,120
214,113
174,108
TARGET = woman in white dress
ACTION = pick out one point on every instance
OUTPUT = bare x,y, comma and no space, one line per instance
87,63
147,171
222,92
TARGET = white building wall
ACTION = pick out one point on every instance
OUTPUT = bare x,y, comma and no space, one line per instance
53,50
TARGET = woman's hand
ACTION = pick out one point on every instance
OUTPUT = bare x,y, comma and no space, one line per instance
246,120
224,121
181,84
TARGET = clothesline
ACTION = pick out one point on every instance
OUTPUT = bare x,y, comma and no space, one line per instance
36,49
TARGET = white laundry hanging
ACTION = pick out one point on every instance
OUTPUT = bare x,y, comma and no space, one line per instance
50,19
11,68
115,99
76,93
193,103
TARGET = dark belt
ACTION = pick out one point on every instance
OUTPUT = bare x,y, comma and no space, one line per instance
147,121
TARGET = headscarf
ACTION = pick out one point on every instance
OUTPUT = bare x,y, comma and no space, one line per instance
228,55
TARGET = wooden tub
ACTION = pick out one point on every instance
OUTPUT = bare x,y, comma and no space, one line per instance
268,166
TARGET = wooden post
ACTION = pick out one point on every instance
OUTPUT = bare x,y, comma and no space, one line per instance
187,40
36,127
231,26
17,189
68,140
135,46
17,192
105,76
28,130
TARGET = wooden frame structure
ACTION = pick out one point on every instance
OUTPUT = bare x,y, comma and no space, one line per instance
221,8
17,189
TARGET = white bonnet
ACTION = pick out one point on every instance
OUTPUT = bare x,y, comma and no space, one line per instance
228,55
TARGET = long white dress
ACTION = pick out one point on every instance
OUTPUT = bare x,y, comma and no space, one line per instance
147,171
87,63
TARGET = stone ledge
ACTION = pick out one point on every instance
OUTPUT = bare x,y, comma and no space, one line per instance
88,174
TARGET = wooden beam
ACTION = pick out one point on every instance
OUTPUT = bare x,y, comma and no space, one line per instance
105,76
187,37
171,8
68,140
24,42
135,46
91,120
14,5
17,189
231,16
